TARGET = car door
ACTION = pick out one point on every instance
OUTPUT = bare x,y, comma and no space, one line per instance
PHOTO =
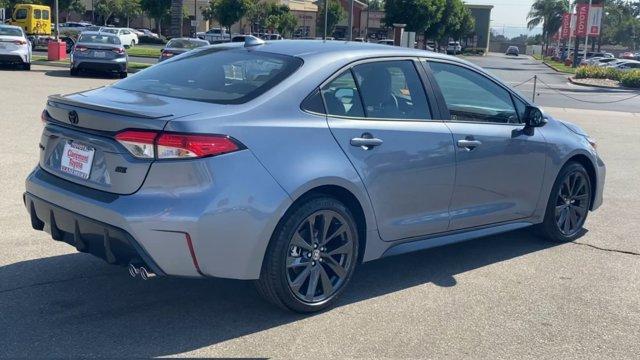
499,163
380,115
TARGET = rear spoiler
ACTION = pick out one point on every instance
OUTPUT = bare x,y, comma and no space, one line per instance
61,99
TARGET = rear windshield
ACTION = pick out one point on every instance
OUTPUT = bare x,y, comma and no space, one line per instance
215,75
7,31
99,39
186,44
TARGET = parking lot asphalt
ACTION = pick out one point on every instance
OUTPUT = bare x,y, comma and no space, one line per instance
507,296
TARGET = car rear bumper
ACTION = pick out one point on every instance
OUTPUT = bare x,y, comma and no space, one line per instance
118,65
14,57
193,218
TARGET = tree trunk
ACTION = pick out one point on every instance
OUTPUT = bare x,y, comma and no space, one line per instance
176,18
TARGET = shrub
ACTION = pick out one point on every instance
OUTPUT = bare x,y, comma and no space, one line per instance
597,72
630,78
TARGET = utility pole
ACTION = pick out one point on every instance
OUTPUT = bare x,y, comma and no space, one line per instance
57,21
350,38
326,15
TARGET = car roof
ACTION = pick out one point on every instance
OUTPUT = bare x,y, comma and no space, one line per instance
10,26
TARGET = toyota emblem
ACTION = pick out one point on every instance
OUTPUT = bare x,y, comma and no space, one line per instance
73,117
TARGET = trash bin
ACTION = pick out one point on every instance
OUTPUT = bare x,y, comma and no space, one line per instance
56,50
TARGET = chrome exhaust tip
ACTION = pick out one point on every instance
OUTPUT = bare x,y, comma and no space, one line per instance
146,274
133,270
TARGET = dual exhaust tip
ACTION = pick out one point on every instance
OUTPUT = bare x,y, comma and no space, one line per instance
144,273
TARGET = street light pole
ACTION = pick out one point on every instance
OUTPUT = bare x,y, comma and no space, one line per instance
351,22
57,21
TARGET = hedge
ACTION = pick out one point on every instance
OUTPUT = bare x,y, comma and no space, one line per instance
630,78
598,72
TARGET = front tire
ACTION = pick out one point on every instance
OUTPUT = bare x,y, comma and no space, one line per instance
568,205
311,257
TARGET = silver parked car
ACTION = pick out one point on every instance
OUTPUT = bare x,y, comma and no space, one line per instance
290,162
179,46
15,48
98,51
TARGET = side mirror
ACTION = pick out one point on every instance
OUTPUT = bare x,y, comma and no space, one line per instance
533,117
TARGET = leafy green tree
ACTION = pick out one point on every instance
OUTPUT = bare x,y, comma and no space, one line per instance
130,8
158,10
258,13
284,23
226,12
375,5
108,8
334,16
418,15
549,14
449,24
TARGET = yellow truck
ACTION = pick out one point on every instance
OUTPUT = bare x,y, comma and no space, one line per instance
35,20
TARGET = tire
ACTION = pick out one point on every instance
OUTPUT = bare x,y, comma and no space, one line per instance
26,66
575,199
73,72
122,74
289,270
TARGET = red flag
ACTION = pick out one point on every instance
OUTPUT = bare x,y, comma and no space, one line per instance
582,20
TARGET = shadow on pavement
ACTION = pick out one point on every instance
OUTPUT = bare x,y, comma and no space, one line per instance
75,305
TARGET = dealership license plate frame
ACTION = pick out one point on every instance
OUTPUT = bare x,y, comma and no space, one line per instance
74,155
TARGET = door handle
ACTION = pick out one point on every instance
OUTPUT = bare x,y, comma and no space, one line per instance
366,141
469,144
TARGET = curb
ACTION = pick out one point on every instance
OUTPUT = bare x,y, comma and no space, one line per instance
619,87
552,68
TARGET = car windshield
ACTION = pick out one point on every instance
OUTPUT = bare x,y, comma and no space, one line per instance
215,75
98,39
186,44
7,31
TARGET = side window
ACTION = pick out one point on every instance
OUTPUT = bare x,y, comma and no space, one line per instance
313,103
341,96
392,90
520,107
45,14
471,96
37,14
21,14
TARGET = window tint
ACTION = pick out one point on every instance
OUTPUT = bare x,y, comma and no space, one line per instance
45,14
98,39
37,14
313,103
471,96
214,75
341,96
21,14
10,31
520,108
392,90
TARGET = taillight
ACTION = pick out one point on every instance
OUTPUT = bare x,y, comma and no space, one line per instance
20,42
167,54
176,146
118,51
139,143
151,144
81,48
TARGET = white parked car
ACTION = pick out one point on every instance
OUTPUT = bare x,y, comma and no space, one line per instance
626,65
127,36
454,47
14,47
214,35
600,61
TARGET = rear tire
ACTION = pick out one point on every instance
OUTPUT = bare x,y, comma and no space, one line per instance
26,66
306,271
568,205
73,72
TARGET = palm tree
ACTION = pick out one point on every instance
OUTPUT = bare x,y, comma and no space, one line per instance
549,14
177,14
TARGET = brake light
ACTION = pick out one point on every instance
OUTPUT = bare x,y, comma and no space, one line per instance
81,48
139,143
176,146
118,51
160,145
167,54
20,42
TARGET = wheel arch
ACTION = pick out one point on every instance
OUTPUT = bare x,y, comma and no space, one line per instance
585,161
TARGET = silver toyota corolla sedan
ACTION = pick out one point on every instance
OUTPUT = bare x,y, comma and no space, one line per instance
290,162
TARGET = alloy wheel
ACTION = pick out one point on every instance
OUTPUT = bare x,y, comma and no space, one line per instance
319,256
572,203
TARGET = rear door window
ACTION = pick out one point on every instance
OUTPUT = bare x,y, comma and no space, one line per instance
392,90
341,96
224,76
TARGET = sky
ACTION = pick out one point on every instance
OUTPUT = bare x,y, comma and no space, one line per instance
508,16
